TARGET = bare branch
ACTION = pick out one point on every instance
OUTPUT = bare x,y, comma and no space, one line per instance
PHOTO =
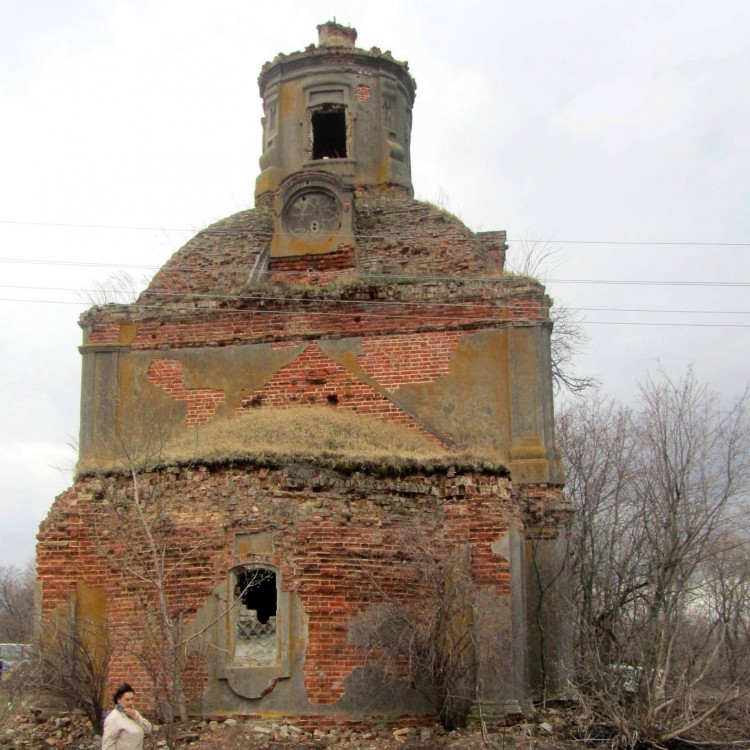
661,566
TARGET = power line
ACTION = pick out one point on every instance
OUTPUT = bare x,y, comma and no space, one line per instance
637,282
365,275
396,316
657,310
67,225
654,323
83,263
392,303
476,238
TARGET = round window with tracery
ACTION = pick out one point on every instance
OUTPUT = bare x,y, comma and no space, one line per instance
312,213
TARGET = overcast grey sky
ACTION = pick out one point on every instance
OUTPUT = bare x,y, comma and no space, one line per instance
585,121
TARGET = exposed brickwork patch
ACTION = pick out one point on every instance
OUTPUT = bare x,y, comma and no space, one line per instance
397,235
168,375
362,92
219,260
314,379
546,508
315,269
415,358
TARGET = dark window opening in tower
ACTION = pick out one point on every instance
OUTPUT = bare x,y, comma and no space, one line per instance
329,133
257,592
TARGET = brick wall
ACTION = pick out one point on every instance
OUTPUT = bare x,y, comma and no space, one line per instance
334,534
315,269
546,509
411,358
284,316
396,235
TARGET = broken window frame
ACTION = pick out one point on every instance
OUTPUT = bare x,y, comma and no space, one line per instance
340,140
245,651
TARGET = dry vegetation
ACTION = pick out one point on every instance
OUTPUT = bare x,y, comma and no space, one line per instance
337,438
311,431
660,558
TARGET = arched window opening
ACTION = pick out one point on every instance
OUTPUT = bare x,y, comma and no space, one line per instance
255,594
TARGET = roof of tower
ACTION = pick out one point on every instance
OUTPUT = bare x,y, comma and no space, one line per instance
390,239
337,42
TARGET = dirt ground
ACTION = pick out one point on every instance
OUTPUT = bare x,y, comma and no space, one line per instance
564,727
409,738
34,732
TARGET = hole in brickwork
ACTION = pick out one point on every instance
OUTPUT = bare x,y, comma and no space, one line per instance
329,133
257,590
332,398
255,617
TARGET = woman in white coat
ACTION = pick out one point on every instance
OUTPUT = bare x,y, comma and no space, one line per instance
124,727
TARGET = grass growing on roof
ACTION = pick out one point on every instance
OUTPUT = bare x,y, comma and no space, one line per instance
306,431
336,438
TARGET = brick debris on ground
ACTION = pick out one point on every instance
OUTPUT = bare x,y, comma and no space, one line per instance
32,730
565,727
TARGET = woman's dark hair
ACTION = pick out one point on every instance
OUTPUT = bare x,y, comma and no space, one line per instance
124,688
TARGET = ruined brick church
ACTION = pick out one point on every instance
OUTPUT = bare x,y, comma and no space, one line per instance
313,400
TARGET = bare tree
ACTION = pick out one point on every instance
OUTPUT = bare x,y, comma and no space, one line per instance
567,342
17,626
150,560
427,630
72,661
656,490
725,603
597,440
16,604
16,687
149,544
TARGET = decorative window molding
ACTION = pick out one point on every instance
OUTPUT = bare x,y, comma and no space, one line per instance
254,645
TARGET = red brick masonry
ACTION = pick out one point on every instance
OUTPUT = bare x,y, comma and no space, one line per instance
333,535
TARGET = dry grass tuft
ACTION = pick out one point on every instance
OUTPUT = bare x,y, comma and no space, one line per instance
307,431
331,437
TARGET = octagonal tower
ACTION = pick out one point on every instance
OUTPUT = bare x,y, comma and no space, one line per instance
337,109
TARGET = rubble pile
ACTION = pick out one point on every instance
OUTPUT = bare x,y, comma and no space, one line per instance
328,738
35,731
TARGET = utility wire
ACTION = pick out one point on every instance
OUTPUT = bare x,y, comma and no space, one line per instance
394,316
67,225
83,263
391,303
366,275
476,237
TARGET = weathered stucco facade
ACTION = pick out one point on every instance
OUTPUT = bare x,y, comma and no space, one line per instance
337,292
